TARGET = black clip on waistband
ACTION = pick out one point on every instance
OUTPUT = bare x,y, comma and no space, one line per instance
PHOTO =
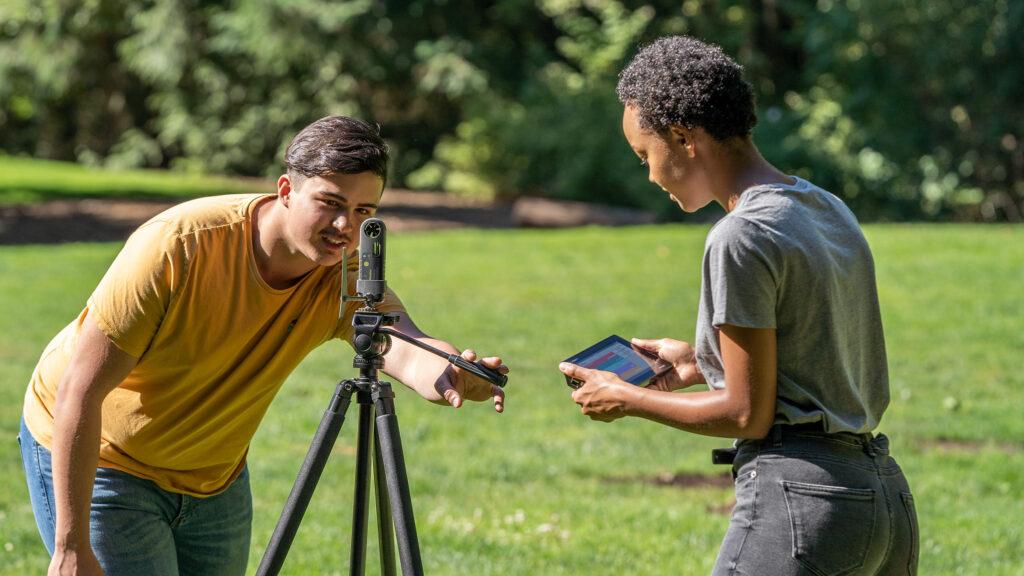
723,455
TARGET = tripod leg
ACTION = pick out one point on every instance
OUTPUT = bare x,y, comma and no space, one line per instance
398,482
360,508
385,528
309,475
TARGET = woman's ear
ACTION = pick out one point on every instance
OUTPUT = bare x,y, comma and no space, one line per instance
684,137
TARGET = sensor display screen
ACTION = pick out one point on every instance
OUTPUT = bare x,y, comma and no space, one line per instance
614,354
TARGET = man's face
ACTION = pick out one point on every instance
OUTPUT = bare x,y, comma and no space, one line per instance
325,213
671,162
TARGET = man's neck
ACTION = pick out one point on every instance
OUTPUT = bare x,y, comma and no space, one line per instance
278,264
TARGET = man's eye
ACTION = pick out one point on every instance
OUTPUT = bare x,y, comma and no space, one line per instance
332,203
643,162
365,211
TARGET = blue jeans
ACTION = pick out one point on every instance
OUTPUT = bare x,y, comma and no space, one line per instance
137,527
819,504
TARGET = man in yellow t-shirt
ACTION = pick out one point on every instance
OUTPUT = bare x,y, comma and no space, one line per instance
139,414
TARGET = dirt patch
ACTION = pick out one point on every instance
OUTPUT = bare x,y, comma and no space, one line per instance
680,480
950,446
74,220
686,481
722,509
99,220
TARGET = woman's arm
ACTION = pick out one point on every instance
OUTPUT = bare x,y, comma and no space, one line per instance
744,409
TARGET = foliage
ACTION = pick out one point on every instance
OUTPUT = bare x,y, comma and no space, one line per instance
907,110
541,489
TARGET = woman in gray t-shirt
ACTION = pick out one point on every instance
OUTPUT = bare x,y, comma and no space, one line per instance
789,335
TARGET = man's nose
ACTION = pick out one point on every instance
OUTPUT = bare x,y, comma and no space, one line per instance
343,222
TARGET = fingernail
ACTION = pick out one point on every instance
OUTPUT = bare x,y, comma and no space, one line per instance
563,365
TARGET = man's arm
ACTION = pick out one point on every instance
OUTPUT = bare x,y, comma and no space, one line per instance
97,366
432,376
744,409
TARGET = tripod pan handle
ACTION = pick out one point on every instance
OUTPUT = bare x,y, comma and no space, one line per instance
492,376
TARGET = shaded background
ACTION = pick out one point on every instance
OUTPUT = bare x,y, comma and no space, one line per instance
908,110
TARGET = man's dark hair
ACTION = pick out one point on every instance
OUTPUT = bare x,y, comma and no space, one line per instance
336,145
683,81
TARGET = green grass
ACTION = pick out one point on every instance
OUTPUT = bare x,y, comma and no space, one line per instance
27,180
543,490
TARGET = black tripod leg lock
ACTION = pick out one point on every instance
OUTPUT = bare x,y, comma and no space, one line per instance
382,391
723,456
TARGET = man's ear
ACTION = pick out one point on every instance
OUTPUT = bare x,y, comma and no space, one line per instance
684,137
284,189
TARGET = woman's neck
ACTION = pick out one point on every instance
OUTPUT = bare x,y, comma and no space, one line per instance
738,167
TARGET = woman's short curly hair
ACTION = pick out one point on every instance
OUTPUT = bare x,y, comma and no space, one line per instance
683,81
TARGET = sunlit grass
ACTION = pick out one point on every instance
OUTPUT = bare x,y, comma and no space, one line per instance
27,180
543,490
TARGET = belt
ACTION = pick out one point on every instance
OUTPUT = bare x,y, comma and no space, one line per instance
776,432
817,426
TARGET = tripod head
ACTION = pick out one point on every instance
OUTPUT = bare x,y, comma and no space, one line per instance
369,340
372,332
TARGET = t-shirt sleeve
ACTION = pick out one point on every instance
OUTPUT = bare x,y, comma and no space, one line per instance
132,298
390,303
741,266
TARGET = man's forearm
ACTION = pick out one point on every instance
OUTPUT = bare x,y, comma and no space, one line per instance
76,441
416,368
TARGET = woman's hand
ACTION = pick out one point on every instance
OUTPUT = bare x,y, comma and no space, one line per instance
680,355
603,395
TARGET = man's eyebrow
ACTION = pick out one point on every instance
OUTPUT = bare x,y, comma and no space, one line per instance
339,196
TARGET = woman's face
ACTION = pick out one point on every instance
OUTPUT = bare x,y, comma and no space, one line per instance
671,161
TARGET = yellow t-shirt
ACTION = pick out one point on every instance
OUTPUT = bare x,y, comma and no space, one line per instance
214,343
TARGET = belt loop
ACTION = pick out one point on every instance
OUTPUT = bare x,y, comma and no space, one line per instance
869,445
776,435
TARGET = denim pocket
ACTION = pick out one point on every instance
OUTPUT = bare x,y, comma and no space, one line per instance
832,526
908,506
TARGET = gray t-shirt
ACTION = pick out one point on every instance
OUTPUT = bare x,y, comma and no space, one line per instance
793,258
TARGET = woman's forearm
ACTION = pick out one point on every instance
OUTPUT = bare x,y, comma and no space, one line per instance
712,412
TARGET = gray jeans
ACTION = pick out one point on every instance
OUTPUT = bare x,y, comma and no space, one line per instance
819,504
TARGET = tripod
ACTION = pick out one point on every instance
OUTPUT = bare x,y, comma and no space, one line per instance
376,402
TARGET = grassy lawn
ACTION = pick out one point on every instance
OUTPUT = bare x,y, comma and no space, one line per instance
543,490
25,180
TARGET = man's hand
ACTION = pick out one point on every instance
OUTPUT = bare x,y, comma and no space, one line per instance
81,562
603,395
680,355
456,385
